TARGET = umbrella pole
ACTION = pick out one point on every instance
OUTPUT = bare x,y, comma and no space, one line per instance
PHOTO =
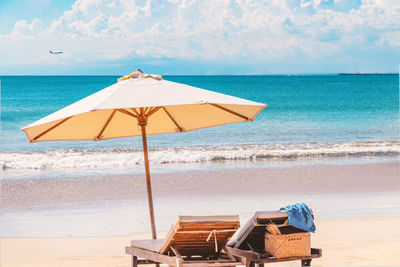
148,182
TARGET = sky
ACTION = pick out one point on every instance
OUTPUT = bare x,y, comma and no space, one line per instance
199,36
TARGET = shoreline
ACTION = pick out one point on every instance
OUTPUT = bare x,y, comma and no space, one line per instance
184,158
289,180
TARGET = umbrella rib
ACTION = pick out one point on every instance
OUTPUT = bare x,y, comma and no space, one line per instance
172,119
232,112
134,110
105,125
127,112
151,112
51,128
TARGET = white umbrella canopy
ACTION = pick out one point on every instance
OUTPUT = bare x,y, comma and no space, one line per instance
156,105
169,107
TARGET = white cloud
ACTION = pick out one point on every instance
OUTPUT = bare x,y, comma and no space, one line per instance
390,39
24,29
95,30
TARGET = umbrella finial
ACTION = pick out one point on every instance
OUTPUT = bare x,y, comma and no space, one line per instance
139,74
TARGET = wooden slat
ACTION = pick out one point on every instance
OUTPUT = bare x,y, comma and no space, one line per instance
175,251
213,261
264,258
196,252
228,253
200,240
253,256
152,257
206,231
189,234
215,264
145,262
156,257
191,239
210,261
209,244
198,226
271,259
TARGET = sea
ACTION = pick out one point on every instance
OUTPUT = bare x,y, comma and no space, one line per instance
310,119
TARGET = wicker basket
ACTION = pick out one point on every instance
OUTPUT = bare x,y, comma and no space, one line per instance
290,245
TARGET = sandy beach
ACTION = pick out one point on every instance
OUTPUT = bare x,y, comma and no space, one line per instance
357,209
345,242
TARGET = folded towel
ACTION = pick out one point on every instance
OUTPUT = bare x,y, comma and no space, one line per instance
300,217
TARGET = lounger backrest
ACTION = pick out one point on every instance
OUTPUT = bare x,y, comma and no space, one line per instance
200,235
251,235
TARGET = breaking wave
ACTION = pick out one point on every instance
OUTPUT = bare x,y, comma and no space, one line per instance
127,158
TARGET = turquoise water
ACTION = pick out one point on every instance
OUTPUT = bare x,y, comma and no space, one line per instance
306,115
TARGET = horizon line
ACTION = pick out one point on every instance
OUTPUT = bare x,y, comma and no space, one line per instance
277,74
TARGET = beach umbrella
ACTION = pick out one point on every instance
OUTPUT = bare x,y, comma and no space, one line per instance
138,105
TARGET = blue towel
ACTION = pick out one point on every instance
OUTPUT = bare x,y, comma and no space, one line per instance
300,217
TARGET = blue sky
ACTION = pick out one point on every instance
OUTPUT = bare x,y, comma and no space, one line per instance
199,36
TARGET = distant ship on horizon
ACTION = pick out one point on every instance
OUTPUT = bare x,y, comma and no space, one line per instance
55,52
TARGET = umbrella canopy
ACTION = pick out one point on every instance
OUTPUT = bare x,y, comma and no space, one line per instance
168,106
156,105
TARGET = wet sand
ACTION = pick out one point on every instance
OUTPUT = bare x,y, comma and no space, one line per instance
308,179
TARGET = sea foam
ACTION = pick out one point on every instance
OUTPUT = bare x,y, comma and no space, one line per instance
127,158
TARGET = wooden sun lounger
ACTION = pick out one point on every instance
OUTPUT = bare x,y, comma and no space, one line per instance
248,242
193,241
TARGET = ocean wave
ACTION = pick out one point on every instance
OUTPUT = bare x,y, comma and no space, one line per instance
127,158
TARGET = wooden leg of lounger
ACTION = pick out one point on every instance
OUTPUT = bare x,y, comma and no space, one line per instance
249,263
179,262
134,261
305,263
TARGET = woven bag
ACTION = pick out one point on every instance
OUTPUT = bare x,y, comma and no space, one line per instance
290,245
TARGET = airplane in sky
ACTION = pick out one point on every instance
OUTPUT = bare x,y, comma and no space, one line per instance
55,52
